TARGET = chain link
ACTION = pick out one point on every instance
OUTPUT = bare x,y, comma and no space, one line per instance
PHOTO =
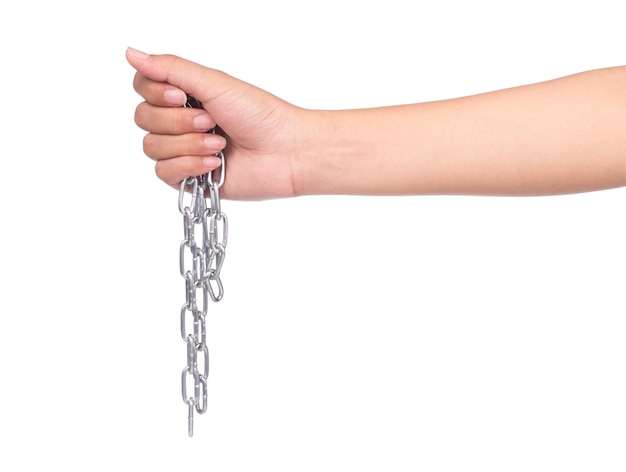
201,256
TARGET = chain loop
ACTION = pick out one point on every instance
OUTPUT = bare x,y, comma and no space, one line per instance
201,256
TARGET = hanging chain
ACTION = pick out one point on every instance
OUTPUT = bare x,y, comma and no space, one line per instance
202,253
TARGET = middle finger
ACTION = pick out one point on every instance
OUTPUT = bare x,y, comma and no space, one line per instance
168,120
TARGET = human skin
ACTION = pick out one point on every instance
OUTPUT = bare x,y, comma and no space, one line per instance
566,135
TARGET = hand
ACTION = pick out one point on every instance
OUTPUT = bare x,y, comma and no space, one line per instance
259,130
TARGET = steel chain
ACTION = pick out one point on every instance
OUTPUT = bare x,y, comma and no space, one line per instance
201,256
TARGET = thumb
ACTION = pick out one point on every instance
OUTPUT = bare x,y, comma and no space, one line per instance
174,70
195,79
223,96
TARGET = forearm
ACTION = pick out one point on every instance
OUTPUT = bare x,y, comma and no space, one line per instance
562,136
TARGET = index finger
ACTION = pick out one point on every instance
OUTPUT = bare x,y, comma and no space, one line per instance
159,94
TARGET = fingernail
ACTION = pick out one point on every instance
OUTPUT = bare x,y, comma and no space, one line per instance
175,96
214,142
138,54
211,162
202,123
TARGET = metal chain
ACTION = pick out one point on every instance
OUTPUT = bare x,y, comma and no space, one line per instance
202,253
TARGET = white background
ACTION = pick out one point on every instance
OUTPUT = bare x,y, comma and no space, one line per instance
370,334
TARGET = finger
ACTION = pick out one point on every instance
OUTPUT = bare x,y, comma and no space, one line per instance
173,171
158,93
223,96
161,120
199,81
159,146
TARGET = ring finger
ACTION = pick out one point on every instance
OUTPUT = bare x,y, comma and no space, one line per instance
159,146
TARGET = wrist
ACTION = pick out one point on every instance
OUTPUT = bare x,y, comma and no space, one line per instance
310,153
328,154
347,152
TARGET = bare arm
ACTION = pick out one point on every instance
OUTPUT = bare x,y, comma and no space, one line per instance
561,136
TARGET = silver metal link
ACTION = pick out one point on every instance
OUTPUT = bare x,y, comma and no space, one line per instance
201,257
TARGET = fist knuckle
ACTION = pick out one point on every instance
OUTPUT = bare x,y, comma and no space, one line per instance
160,171
139,116
148,145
